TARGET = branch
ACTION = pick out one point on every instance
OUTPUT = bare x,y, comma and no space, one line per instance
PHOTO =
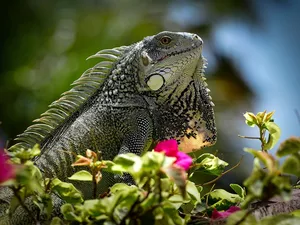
247,137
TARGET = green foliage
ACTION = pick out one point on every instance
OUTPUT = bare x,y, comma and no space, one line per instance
82,175
239,190
21,155
264,122
288,147
162,191
66,191
162,194
209,164
268,176
265,180
221,200
291,149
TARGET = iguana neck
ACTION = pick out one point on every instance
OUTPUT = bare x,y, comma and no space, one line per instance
175,108
184,112
119,88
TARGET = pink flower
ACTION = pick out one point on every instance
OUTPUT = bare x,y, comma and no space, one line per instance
170,148
7,170
219,215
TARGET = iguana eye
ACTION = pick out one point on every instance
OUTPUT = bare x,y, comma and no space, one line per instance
165,40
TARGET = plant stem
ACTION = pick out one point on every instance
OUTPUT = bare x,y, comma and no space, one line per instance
94,184
262,138
257,138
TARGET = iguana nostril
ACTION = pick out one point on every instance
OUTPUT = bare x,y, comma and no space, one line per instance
197,38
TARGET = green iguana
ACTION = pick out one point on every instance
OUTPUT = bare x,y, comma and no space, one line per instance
139,94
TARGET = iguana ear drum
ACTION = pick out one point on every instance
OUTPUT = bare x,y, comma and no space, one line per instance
155,82
145,58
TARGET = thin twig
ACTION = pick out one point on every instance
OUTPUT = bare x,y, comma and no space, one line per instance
206,201
222,174
247,137
297,115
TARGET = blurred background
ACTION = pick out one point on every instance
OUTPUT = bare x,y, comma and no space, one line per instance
252,47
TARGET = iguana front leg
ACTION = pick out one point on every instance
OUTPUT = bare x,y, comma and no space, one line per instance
137,140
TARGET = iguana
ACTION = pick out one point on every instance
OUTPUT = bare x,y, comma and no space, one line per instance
149,91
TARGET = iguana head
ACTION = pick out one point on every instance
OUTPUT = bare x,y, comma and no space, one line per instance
171,68
169,57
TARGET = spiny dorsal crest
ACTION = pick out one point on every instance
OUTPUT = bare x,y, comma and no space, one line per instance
59,111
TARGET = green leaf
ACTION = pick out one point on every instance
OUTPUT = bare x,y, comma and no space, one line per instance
66,191
296,213
268,160
221,199
268,116
281,186
289,146
128,162
153,161
254,183
26,154
176,200
56,221
239,190
170,215
82,175
124,205
118,187
35,151
192,190
260,117
250,119
94,209
274,135
210,164
149,202
31,178
166,185
110,167
291,165
69,213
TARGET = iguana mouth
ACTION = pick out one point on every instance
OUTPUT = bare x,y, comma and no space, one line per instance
194,46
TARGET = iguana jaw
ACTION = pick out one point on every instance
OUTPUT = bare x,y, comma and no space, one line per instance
196,47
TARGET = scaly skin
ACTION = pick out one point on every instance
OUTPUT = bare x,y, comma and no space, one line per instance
155,90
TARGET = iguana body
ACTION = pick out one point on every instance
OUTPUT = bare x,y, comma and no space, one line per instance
146,92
